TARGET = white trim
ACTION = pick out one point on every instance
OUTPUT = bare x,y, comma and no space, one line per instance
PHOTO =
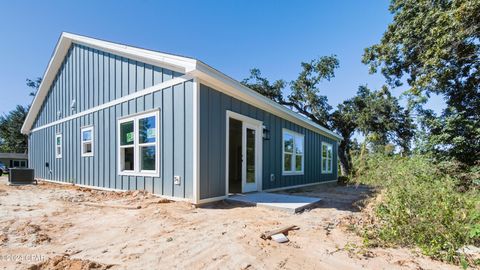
325,170
259,147
299,186
173,62
114,190
82,142
132,96
137,171
196,141
169,61
183,64
221,82
57,154
294,155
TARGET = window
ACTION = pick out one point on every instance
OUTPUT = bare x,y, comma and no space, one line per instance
58,146
87,141
19,164
327,158
292,152
139,145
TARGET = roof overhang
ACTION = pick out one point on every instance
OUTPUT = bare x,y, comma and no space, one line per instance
232,87
185,65
172,62
13,156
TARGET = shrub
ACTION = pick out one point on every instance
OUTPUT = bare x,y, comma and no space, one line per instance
420,205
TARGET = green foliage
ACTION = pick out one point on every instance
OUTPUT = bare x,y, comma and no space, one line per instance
420,205
453,135
35,84
10,126
304,94
374,113
434,46
11,139
381,119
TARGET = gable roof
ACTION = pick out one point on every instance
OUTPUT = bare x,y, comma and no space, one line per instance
177,63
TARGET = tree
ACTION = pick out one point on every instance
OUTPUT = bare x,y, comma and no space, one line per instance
376,114
304,94
11,138
34,84
10,125
380,119
434,46
344,122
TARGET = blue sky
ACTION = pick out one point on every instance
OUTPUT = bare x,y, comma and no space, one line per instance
232,36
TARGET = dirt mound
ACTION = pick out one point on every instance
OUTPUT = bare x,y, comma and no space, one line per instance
64,262
32,233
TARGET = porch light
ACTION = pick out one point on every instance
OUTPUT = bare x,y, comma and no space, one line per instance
266,133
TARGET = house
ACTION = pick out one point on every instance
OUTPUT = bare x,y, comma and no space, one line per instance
14,160
118,117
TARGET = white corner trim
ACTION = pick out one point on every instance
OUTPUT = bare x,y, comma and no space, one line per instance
196,141
186,65
135,95
231,87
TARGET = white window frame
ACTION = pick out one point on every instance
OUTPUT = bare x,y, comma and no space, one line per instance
58,154
295,135
137,145
83,143
329,147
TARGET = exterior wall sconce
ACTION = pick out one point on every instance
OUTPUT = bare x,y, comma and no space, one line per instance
266,133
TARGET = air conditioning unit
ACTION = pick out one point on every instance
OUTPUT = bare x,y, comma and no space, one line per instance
21,176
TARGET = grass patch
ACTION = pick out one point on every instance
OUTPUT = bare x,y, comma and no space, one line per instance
420,205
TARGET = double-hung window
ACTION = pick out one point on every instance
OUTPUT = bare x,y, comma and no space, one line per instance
327,157
139,145
58,145
87,141
293,152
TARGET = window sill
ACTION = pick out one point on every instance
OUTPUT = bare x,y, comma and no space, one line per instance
133,173
87,155
292,173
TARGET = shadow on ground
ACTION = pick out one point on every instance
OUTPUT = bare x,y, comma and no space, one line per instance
348,198
340,197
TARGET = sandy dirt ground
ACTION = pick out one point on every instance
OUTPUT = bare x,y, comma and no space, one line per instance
52,226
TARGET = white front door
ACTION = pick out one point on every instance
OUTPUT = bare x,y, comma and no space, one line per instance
251,142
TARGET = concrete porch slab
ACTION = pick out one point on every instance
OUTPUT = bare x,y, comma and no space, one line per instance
289,203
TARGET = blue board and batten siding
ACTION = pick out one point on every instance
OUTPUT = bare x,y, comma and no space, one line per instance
91,78
213,107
